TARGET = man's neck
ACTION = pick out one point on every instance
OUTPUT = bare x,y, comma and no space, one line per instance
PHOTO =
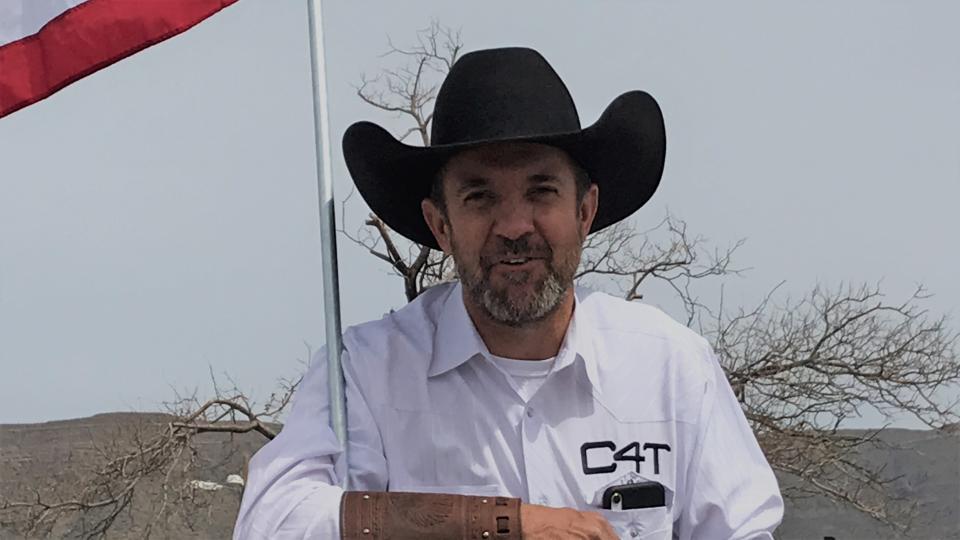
534,341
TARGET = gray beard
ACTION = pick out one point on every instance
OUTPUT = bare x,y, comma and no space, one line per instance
500,307
498,304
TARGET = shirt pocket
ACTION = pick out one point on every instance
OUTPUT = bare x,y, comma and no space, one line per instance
640,523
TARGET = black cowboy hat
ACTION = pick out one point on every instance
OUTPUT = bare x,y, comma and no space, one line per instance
510,94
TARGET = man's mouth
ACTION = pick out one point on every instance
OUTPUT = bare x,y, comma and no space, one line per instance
517,262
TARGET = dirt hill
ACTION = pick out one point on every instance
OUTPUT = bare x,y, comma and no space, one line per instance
55,457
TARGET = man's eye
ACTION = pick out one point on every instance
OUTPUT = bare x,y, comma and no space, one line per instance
477,196
543,190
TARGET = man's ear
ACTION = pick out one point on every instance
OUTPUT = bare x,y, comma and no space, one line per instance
587,209
437,222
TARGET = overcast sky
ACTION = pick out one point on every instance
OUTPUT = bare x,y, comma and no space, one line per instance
159,219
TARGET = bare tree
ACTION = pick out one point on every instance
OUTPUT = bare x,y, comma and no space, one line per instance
801,369
625,261
409,92
152,466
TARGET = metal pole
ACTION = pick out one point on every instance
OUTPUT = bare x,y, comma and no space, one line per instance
328,239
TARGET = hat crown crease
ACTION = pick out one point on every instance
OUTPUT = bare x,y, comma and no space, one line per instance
506,93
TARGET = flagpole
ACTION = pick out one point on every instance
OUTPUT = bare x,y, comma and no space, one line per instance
328,239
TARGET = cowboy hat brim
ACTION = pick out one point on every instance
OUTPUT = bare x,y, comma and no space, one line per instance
623,153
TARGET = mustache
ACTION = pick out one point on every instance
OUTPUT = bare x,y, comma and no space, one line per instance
523,247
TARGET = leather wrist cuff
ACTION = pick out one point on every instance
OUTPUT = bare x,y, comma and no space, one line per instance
375,515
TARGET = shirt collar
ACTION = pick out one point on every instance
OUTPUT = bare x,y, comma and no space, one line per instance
456,339
580,344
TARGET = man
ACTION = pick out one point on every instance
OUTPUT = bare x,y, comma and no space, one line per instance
509,404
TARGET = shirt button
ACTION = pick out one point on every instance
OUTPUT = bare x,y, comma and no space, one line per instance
529,412
634,532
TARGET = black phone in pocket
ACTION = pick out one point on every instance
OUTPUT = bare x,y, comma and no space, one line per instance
633,496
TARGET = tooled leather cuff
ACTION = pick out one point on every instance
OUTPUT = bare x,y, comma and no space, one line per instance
375,515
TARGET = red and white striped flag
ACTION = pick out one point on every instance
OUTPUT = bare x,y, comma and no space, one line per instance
48,44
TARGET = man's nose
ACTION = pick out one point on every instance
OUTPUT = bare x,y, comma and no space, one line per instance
513,219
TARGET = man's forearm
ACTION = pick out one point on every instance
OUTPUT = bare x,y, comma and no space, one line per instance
429,516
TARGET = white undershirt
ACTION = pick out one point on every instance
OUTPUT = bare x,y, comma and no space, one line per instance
528,375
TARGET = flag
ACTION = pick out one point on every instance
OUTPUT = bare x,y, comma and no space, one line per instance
47,44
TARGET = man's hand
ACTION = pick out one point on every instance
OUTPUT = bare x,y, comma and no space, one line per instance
545,523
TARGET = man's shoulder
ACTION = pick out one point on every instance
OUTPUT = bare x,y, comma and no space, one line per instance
644,354
411,326
610,315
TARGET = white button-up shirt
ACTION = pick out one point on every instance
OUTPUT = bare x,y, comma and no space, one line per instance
632,396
